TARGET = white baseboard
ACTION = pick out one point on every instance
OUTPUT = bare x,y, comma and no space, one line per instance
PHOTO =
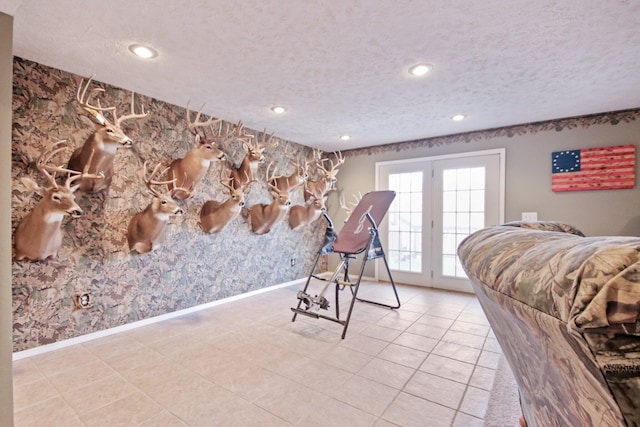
129,326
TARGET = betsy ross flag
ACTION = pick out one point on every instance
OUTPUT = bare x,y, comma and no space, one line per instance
594,168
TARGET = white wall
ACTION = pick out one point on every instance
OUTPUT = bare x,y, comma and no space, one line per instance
528,171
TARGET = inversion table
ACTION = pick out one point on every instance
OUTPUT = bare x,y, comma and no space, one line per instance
358,236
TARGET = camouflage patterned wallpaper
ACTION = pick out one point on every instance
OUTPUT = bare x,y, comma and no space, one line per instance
191,268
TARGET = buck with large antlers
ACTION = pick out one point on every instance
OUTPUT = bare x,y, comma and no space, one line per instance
38,235
327,179
263,217
147,228
303,215
214,215
99,150
295,180
189,171
248,168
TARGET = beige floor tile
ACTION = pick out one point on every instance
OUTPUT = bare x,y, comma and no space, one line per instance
184,384
457,352
491,344
163,419
127,411
402,355
249,382
475,402
112,345
464,420
411,411
448,368
202,409
426,330
81,376
366,395
25,371
482,378
53,412
246,414
417,342
95,395
388,373
346,359
246,363
335,413
489,359
290,401
437,321
364,344
32,393
134,359
470,328
464,338
436,389
63,360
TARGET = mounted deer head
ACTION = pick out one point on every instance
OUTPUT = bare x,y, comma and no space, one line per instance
263,217
303,215
38,235
147,228
102,143
327,179
214,215
189,171
296,179
248,168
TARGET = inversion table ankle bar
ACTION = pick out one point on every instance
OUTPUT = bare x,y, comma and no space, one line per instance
358,236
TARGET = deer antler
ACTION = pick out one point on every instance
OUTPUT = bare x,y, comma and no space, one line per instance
265,140
192,125
132,115
45,168
149,181
83,100
272,178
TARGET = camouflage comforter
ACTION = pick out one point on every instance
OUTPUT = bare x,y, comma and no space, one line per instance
566,310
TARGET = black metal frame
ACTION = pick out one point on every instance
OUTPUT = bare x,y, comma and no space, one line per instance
372,250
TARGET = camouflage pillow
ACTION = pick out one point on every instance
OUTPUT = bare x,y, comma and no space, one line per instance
547,226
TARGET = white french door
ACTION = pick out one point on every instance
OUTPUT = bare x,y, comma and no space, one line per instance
439,201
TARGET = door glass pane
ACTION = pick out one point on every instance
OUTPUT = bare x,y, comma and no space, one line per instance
462,213
405,222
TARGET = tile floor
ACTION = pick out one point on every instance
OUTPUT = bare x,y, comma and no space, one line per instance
430,363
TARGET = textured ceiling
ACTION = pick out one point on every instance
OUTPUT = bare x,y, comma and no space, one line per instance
340,66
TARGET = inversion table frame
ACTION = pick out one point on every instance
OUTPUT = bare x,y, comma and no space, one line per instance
359,235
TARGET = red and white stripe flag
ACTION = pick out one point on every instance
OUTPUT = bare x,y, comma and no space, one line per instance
602,168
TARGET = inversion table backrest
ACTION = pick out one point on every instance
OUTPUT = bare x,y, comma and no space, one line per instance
354,236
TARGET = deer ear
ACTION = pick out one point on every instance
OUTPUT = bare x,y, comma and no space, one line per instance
74,188
30,184
197,138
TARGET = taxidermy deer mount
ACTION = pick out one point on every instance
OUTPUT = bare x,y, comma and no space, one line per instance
327,180
189,171
147,228
214,215
246,172
303,215
263,217
98,151
38,235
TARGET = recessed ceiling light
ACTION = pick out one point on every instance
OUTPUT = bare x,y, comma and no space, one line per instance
420,69
143,51
345,137
278,109
458,117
